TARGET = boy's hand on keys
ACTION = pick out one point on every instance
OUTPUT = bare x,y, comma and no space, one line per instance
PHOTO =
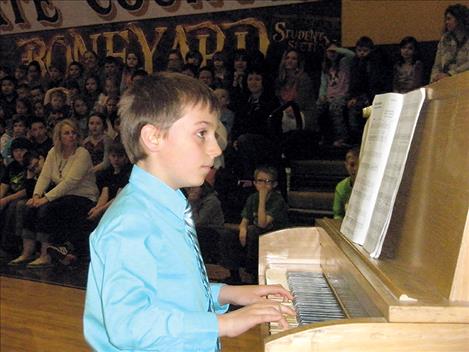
239,321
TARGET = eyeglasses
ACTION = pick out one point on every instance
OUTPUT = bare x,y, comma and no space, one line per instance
265,181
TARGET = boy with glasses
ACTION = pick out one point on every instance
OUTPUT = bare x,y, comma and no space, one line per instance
264,211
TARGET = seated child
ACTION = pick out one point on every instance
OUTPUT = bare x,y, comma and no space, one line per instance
12,189
56,106
33,162
112,180
343,189
264,211
147,285
42,143
208,218
227,116
97,143
19,130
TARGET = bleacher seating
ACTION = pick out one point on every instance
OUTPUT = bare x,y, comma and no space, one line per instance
312,186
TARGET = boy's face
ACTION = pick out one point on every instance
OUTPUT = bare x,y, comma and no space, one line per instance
187,150
19,129
118,161
218,63
37,95
56,102
362,52
111,105
33,73
74,71
174,62
89,60
55,73
91,85
36,164
38,131
264,181
223,97
21,108
80,107
23,92
18,154
39,110
20,73
351,164
206,77
7,87
110,69
109,86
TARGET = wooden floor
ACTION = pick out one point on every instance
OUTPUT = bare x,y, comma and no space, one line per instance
39,317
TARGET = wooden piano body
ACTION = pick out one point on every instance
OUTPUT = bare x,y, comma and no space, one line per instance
417,294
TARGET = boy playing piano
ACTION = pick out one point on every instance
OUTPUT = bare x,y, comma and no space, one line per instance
147,286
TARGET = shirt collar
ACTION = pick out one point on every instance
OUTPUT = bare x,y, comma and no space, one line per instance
159,191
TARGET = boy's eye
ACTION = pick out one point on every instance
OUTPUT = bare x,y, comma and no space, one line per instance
201,134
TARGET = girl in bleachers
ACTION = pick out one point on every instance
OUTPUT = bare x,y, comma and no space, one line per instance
34,75
24,107
92,90
90,63
81,113
75,73
452,55
132,63
333,93
222,76
111,87
97,143
408,70
294,84
57,106
55,77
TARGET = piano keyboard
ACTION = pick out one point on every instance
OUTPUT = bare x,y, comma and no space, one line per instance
313,299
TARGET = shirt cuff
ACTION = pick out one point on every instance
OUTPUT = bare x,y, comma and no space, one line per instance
215,288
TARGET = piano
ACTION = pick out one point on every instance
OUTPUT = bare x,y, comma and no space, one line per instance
415,297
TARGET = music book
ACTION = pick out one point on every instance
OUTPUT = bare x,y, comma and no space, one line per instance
385,147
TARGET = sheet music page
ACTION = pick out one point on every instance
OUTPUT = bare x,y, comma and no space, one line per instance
373,159
393,172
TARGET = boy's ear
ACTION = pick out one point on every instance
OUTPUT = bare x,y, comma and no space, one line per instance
150,137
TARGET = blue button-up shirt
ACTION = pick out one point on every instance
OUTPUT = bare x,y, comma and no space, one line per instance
144,288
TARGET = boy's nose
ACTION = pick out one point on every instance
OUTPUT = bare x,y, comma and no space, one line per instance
214,149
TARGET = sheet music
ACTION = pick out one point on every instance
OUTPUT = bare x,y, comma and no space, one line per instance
394,170
373,158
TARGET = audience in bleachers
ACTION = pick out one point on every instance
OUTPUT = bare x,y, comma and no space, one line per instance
263,123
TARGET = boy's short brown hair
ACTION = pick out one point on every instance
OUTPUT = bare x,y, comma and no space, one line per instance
159,100
267,169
